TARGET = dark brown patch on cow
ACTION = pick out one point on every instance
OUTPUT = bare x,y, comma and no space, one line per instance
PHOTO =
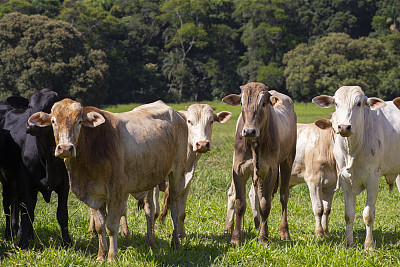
99,144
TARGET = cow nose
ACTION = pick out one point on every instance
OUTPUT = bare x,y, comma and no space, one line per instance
203,146
249,132
345,130
65,151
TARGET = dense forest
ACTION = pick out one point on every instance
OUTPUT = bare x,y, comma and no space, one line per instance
121,51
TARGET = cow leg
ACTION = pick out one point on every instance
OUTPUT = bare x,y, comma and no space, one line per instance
286,169
350,210
99,217
255,206
62,211
327,198
115,208
230,212
369,210
182,210
398,182
239,181
92,226
156,196
9,205
28,202
174,191
265,188
149,210
316,201
123,221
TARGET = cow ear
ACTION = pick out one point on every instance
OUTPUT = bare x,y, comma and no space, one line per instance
40,119
186,108
323,124
375,103
213,108
275,101
92,119
222,117
182,113
232,99
18,102
396,102
324,101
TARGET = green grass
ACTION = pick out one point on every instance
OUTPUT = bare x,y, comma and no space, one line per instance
207,243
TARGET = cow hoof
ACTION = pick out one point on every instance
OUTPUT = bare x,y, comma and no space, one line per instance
235,242
175,245
263,240
183,235
229,226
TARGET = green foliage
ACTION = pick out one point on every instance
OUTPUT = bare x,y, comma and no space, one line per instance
334,61
180,50
37,53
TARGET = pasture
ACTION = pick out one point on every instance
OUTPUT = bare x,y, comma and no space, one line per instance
207,243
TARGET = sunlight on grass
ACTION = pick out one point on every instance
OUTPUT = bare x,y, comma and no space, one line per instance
207,243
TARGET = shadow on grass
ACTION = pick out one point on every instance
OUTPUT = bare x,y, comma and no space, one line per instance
197,248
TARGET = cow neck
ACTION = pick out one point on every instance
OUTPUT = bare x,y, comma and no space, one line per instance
263,142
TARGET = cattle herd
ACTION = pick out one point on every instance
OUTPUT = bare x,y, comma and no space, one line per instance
48,144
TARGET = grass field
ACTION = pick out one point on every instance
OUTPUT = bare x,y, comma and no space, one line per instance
207,244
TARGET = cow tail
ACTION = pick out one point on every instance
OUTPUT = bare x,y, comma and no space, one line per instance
165,209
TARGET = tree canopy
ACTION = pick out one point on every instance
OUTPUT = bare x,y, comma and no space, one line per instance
119,51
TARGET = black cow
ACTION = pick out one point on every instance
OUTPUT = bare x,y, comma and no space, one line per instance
39,170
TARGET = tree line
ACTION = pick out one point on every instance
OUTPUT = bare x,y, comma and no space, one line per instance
121,51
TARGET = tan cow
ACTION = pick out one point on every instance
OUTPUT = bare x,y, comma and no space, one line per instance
109,155
199,119
315,165
265,141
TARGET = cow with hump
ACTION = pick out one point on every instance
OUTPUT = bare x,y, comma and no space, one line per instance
109,155
200,119
265,143
314,165
366,148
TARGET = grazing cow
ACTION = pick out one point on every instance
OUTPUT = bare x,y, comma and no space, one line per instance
365,149
265,142
315,165
199,119
36,170
109,155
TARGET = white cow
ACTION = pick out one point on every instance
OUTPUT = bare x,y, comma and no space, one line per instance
366,149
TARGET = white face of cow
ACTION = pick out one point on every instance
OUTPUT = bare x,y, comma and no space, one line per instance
351,104
66,118
200,119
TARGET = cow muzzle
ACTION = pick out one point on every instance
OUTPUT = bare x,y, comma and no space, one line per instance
202,146
65,151
250,132
345,130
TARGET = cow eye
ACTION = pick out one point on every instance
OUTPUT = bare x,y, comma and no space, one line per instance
264,104
190,122
53,121
359,104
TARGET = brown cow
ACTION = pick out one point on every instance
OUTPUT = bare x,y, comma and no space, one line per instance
109,155
315,165
265,141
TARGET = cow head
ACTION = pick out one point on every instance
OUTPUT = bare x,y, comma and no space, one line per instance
256,101
200,119
66,118
351,104
396,102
